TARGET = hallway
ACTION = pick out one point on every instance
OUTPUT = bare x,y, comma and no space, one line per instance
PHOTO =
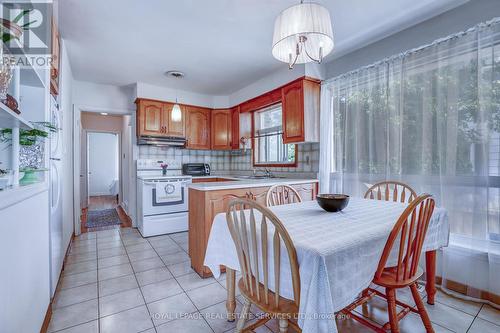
103,202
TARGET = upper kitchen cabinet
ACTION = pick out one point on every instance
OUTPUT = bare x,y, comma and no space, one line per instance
55,63
221,129
198,127
174,127
149,118
154,118
300,103
262,101
235,127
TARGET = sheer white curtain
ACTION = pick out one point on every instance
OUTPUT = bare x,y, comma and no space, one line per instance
429,117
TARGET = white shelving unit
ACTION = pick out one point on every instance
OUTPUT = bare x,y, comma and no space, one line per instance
10,119
29,86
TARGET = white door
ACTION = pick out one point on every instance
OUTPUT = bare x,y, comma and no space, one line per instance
103,164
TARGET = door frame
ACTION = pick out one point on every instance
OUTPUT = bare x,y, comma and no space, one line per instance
120,176
76,144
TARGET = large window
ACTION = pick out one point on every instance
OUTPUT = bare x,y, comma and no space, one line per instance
268,139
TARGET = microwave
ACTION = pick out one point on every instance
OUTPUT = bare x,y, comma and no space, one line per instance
196,169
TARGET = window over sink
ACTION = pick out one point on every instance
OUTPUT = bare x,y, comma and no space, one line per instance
268,139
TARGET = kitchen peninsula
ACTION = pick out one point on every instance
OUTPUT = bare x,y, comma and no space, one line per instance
207,199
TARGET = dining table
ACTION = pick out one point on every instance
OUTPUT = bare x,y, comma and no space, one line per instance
337,253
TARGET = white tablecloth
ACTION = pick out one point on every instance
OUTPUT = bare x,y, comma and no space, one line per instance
338,253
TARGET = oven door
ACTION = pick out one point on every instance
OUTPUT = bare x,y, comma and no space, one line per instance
172,198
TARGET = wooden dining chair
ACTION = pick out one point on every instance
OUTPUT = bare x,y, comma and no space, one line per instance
253,250
391,190
407,238
282,195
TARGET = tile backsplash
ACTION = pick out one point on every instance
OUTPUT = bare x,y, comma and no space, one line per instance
219,160
234,161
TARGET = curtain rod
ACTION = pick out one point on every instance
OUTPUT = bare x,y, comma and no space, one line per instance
477,27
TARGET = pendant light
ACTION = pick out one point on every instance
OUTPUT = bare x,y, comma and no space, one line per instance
302,33
176,114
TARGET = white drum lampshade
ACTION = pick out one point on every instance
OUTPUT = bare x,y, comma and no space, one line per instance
302,33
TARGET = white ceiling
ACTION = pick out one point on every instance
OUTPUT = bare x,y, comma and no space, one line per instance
221,45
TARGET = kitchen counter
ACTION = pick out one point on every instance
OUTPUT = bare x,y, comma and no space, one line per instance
211,197
216,176
238,183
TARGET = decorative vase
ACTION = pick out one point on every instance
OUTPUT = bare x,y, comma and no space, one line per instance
12,104
30,177
5,72
9,31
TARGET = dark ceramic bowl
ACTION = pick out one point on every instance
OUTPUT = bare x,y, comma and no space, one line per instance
332,202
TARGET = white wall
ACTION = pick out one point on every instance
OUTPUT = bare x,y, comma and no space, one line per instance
450,22
145,90
24,255
267,83
103,154
90,96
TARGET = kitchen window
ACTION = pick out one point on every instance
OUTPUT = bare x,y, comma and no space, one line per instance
268,139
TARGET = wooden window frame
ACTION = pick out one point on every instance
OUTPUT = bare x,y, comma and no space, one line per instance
270,165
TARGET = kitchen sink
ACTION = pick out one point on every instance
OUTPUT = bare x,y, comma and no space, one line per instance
258,177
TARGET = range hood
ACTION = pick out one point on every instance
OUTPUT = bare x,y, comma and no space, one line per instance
161,141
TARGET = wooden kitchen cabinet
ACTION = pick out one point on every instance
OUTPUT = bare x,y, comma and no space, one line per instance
154,118
173,128
149,118
221,131
205,204
300,103
198,127
235,127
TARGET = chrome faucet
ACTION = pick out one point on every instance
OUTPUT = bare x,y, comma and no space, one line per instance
268,173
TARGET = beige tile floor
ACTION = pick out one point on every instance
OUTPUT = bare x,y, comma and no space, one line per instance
117,281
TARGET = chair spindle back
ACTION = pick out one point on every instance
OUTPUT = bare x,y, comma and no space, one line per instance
411,228
282,195
244,234
391,191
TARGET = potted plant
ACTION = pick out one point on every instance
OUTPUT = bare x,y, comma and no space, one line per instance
29,137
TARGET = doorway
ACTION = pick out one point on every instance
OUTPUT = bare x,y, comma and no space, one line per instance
103,170
104,159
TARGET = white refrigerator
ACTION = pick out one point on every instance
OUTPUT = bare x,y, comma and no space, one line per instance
55,170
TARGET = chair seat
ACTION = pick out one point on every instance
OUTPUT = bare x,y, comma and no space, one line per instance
388,278
285,306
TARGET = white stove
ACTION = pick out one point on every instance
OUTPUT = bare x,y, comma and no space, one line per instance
162,197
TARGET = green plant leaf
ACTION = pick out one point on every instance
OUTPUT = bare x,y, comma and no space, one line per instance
25,26
6,37
21,15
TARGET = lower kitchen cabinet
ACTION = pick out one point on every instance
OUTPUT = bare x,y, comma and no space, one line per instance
205,204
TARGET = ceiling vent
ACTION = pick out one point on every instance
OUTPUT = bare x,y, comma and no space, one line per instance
175,74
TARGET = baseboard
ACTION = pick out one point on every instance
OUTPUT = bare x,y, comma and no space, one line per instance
465,290
48,314
46,320
101,194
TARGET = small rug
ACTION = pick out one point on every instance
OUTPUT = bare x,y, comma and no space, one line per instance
102,218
